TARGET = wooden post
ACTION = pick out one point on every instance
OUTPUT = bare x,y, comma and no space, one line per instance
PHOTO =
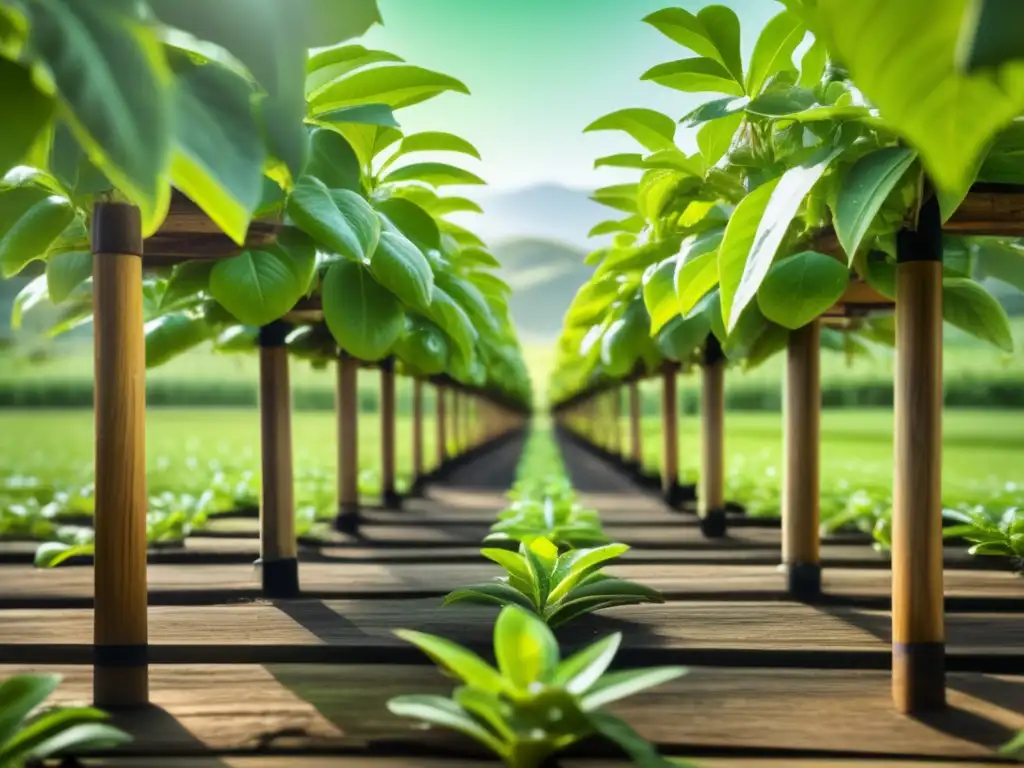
442,426
120,632
417,430
711,506
800,491
636,449
615,394
918,623
347,520
390,497
669,434
456,426
278,554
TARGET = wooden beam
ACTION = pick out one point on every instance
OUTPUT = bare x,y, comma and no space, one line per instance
389,494
669,433
347,406
711,499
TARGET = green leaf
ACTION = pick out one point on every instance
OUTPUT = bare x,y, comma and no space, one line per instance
435,174
329,64
364,317
512,562
458,660
715,109
624,160
218,149
715,137
580,671
679,339
782,103
619,196
714,32
477,257
397,86
423,346
79,738
65,272
698,75
1001,260
401,267
35,740
738,240
525,648
433,141
453,320
947,116
812,65
50,554
469,297
633,225
619,685
660,294
364,114
20,695
491,593
414,222
971,308
172,334
124,122
437,710
572,567
650,129
258,287
697,267
864,189
20,127
774,50
786,196
640,751
186,281
333,161
340,220
989,34
799,288
33,232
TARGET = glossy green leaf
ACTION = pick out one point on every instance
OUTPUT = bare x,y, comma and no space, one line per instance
812,65
333,161
65,272
401,267
699,75
689,30
989,35
453,320
573,566
525,648
971,308
1001,260
723,29
632,225
186,281
738,240
469,297
618,685
20,127
640,751
412,221
218,148
619,196
583,669
124,122
329,64
715,109
799,288
32,233
172,334
339,220
397,86
649,128
949,117
716,136
364,317
469,667
19,696
683,335
782,103
774,49
258,287
437,710
660,293
864,189
786,197
491,593
436,174
432,141
377,115
423,346
624,160
477,257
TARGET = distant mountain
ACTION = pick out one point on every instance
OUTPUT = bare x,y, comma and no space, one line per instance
548,211
544,275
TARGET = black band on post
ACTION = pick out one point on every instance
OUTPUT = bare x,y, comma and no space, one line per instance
924,243
713,350
921,668
678,494
281,578
120,655
116,228
713,524
347,519
274,334
387,364
392,499
803,581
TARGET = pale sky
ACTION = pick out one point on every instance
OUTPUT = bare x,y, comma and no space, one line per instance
539,72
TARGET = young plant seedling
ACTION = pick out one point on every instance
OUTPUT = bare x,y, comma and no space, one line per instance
990,532
558,588
561,520
533,704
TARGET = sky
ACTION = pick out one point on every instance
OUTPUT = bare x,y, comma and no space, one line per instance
539,72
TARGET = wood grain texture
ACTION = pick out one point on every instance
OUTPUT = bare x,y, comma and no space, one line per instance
387,430
277,492
669,430
917,489
712,439
348,431
291,706
988,213
120,470
801,449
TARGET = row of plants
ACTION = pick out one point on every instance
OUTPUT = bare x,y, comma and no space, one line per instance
307,139
535,702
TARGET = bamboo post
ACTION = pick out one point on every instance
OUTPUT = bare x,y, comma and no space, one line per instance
918,623
616,416
711,506
120,632
802,413
278,553
347,404
417,430
669,435
389,494
442,426
456,438
636,456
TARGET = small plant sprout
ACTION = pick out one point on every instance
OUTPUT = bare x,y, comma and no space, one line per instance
558,588
26,738
559,519
533,704
990,532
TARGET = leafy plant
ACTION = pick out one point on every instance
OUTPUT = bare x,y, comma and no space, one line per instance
562,521
556,587
25,738
990,532
532,704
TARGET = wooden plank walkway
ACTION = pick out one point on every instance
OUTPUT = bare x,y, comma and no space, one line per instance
335,761
322,707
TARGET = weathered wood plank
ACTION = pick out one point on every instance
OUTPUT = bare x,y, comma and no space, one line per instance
245,708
